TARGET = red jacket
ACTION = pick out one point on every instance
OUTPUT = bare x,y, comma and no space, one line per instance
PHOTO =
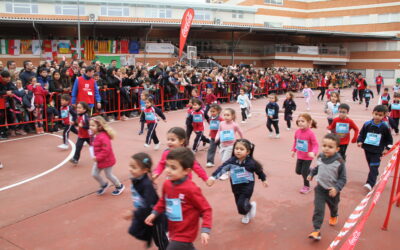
103,150
394,113
83,132
360,84
39,92
187,199
86,90
379,80
198,120
344,137
210,99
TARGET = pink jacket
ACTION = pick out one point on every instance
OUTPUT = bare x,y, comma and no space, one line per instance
103,150
196,167
226,127
304,142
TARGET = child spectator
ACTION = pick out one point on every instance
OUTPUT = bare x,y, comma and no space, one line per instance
68,117
306,147
183,203
39,101
43,78
83,130
103,155
341,126
215,120
375,138
242,167
149,116
272,111
289,106
143,96
331,173
144,198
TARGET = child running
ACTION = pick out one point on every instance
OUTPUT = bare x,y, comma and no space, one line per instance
176,138
244,103
272,110
189,122
83,130
331,173
375,138
368,94
197,117
68,117
332,107
306,146
183,203
215,120
341,126
149,116
143,96
103,155
394,109
289,106
385,98
242,167
144,198
308,93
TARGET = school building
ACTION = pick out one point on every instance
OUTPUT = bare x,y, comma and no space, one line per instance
356,35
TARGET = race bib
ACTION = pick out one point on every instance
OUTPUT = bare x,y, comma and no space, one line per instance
198,118
137,199
306,94
149,116
227,135
90,93
384,98
302,145
367,95
271,112
64,113
373,139
174,209
335,109
239,175
142,105
241,101
214,124
395,106
342,128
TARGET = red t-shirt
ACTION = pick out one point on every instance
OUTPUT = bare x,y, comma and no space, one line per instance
342,128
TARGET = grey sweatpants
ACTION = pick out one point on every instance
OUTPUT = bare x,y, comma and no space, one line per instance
108,171
322,197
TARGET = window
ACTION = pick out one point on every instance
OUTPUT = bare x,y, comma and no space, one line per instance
333,21
202,15
389,18
385,73
273,24
315,22
70,10
158,13
386,46
22,8
299,22
277,2
237,14
364,19
114,11
354,47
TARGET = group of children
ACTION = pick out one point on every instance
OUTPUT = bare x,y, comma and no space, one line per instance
181,204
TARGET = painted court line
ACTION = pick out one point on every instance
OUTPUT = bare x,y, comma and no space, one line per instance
22,138
47,171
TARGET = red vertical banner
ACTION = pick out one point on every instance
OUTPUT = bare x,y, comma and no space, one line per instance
186,23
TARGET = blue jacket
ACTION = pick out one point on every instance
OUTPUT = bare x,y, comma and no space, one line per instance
377,132
272,107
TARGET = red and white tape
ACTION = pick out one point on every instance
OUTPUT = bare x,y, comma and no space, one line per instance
358,211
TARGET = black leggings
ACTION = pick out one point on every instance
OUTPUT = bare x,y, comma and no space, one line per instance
303,168
342,151
273,123
243,193
151,133
322,93
199,137
367,101
378,88
355,93
79,145
244,116
361,95
66,131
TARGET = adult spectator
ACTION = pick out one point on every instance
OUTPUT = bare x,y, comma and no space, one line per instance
7,89
1,66
113,64
73,71
11,65
85,89
27,73
379,83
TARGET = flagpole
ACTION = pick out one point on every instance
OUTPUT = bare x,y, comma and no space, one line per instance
78,46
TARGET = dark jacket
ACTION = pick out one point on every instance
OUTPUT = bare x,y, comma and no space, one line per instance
289,106
249,164
381,130
25,76
272,107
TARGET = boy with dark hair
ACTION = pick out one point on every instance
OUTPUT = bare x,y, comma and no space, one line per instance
183,203
341,126
375,138
331,173
394,109
385,98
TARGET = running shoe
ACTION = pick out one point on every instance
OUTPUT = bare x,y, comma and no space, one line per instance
102,189
118,190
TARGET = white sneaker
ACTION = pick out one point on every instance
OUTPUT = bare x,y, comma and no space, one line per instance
243,121
253,209
157,146
63,146
224,176
288,129
146,145
271,135
277,136
246,219
210,165
1,165
368,187
249,115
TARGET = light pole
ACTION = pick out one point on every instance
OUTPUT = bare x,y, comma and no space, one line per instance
78,46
